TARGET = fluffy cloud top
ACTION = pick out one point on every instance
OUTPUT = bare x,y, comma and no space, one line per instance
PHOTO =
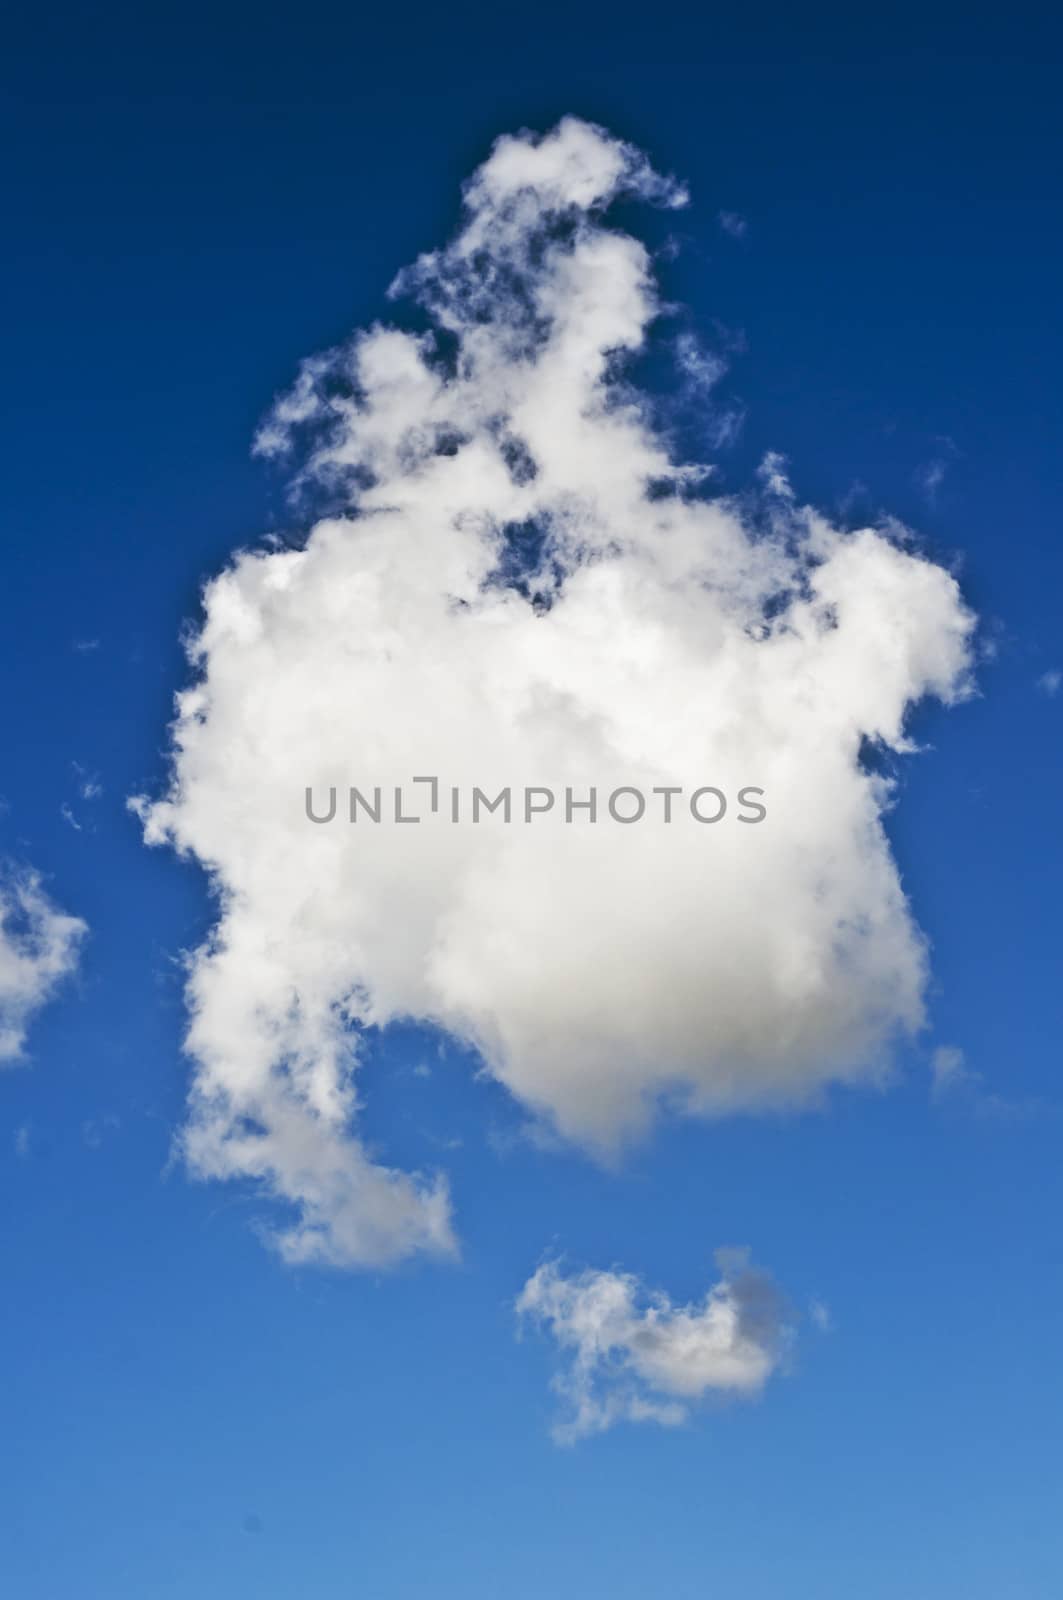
633,1356
522,587
38,948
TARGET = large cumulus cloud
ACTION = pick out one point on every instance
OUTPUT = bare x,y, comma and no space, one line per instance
520,586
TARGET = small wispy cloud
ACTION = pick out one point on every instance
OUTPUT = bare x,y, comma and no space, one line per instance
949,1071
820,1316
39,947
701,370
954,1082
733,224
96,1129
89,785
89,788
774,475
1051,682
631,1355
931,475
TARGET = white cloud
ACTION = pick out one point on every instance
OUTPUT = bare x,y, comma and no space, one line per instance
633,1356
522,587
38,948
1050,683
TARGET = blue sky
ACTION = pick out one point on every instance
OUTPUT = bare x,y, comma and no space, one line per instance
195,205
